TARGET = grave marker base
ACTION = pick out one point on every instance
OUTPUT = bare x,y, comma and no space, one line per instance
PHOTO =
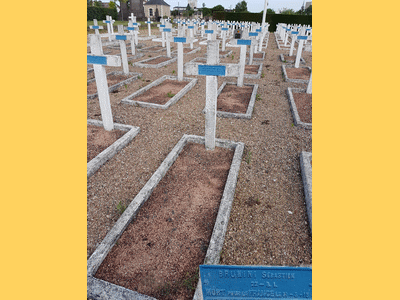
293,108
100,289
112,88
104,156
129,100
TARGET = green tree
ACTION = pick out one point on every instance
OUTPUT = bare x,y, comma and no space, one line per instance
97,3
112,4
206,11
270,11
241,6
308,11
288,11
188,7
218,8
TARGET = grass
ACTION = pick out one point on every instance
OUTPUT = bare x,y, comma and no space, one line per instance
258,97
170,95
121,207
262,75
248,157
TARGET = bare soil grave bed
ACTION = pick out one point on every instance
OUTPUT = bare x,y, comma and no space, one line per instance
153,49
298,75
114,80
155,62
168,230
161,93
99,139
301,107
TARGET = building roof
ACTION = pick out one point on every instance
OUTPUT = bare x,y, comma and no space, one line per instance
156,2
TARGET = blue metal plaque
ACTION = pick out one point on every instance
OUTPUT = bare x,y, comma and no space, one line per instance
209,31
224,29
108,22
295,32
210,70
161,26
191,27
120,37
95,27
258,30
220,282
253,33
167,29
134,24
308,29
179,40
287,29
96,60
244,42
301,37
131,28
147,22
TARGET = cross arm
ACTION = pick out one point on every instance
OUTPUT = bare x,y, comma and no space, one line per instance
228,70
105,60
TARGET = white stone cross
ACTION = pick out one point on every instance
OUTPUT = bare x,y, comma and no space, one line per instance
99,61
211,70
180,41
253,36
168,33
242,43
294,34
121,37
135,31
301,39
148,22
224,31
191,34
110,28
96,27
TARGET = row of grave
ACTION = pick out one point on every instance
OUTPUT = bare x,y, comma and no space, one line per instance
211,69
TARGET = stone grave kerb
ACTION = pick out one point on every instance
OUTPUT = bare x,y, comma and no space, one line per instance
96,27
99,61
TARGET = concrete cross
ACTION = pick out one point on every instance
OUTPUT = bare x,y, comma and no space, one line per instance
110,28
132,31
148,22
96,27
180,41
99,61
253,36
242,43
121,38
301,39
224,31
293,36
211,70
191,34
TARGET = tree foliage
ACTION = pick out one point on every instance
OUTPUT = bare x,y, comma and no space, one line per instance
112,4
241,6
288,11
218,8
270,11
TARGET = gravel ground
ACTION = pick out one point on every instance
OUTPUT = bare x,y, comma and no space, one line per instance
268,224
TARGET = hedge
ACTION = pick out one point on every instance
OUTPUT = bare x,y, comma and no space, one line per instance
272,19
100,13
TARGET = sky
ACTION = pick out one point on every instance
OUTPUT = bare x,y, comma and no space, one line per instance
252,5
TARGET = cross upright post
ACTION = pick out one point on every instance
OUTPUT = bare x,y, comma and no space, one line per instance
96,27
294,34
148,22
253,36
99,61
301,39
110,29
121,37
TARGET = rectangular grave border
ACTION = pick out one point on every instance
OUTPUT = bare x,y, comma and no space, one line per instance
142,63
306,174
147,49
255,76
293,107
108,153
100,289
145,38
136,56
117,85
199,60
250,107
226,55
194,50
293,80
281,56
173,100
263,55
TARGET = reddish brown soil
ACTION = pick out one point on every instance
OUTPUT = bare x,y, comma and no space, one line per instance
298,73
160,251
251,69
157,60
111,80
257,55
99,139
187,50
304,106
289,58
223,52
159,93
234,99
154,48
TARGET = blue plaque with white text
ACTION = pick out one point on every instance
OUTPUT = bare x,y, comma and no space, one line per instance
211,70
244,42
222,282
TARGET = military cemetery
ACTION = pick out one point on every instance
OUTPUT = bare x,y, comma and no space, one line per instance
199,162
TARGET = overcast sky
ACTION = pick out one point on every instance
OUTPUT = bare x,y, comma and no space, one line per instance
252,5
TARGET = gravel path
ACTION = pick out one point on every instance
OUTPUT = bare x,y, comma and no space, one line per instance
268,224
